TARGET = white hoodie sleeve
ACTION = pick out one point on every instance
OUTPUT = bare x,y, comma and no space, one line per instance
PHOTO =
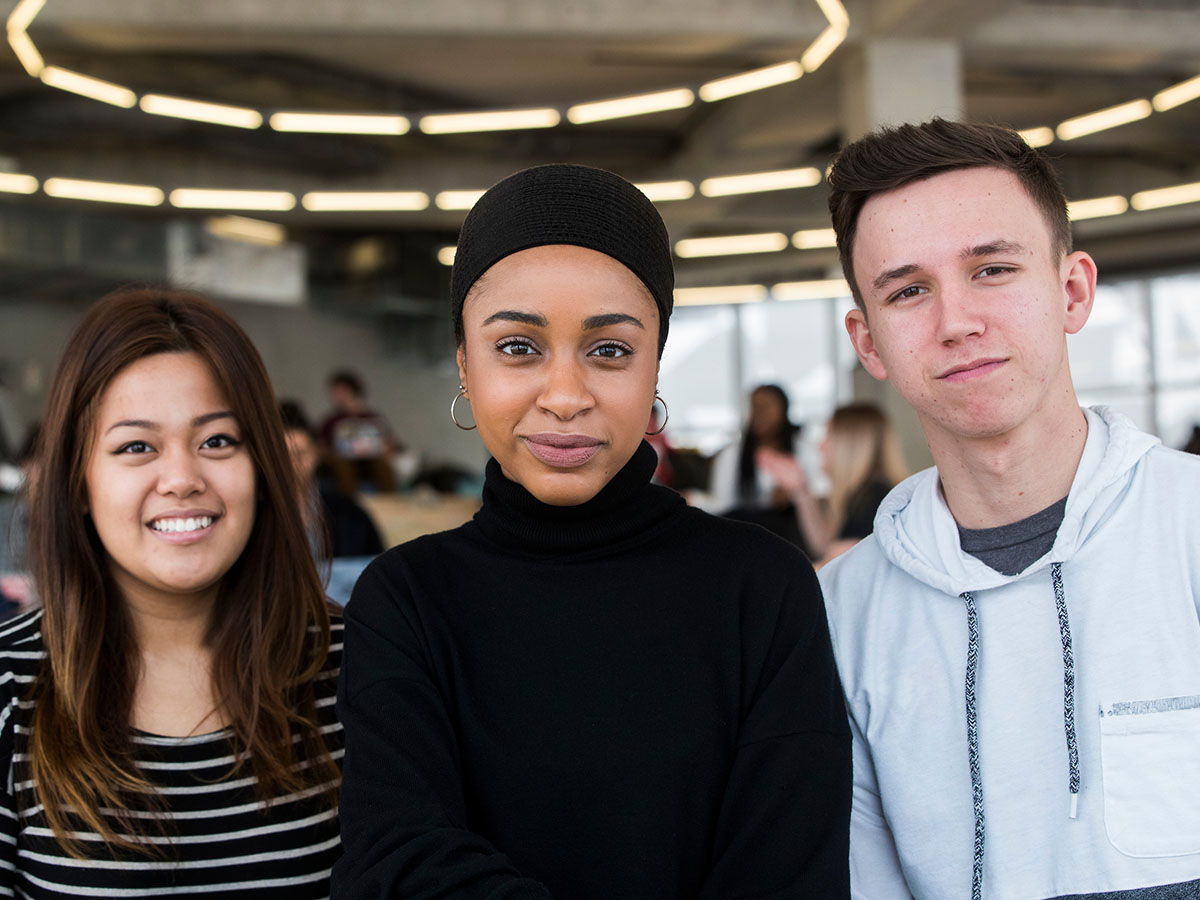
875,872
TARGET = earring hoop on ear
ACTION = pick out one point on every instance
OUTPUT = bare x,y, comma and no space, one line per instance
462,392
666,414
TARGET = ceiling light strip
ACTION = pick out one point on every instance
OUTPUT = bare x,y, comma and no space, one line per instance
249,231
768,242
730,293
494,120
207,198
663,191
814,238
780,180
457,200
200,111
1096,207
634,105
1104,119
1168,196
365,201
1177,94
15,183
754,80
822,289
103,191
339,123
1037,137
87,86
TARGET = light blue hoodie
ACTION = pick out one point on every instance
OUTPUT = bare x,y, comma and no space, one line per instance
1055,808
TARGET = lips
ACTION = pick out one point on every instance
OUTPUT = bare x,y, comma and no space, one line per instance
563,451
974,369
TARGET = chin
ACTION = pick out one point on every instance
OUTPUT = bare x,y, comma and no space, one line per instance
557,490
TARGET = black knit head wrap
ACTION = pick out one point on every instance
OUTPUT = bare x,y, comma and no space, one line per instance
563,204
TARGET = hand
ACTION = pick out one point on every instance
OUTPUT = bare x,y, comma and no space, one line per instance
784,469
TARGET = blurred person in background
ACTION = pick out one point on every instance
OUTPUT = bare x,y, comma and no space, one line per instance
357,441
740,487
327,511
168,722
591,690
861,455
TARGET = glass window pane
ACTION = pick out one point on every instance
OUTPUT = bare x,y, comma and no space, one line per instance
1134,404
790,344
698,378
1112,350
1178,413
1176,300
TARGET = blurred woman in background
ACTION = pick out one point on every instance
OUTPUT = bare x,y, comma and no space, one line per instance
166,717
861,455
741,486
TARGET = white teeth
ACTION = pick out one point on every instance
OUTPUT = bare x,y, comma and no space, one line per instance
176,525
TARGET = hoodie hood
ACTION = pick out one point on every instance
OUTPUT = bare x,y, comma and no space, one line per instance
916,531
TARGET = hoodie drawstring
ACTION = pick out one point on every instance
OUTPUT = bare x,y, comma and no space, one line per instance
1064,630
973,742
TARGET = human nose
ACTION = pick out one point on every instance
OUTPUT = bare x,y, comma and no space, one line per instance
959,316
565,393
180,474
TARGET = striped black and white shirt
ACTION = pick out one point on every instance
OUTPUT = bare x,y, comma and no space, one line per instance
219,841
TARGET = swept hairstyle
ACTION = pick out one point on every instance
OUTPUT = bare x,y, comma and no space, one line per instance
270,629
893,157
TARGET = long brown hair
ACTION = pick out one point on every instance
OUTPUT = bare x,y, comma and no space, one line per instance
863,448
270,630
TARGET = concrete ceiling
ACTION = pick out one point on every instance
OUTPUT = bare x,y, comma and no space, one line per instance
1025,63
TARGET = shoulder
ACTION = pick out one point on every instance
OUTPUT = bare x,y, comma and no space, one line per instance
738,542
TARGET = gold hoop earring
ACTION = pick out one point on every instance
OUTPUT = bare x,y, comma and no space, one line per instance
462,392
666,414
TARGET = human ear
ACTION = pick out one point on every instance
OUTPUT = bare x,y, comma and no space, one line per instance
461,356
864,344
1079,286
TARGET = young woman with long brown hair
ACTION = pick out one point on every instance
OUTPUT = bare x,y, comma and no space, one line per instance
167,715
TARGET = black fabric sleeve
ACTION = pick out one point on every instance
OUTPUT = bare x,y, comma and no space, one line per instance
403,814
784,825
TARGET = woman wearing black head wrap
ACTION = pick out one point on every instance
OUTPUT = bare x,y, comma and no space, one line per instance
590,691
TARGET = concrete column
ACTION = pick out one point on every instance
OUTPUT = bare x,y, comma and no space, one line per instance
890,82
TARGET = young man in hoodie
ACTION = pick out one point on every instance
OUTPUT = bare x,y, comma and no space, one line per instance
1019,640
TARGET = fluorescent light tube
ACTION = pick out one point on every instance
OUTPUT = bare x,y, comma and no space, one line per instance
636,105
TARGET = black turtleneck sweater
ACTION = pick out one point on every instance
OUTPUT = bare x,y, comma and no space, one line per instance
622,700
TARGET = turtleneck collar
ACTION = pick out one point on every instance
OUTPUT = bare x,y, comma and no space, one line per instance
625,508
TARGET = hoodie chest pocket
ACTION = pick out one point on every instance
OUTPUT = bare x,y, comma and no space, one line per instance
1150,765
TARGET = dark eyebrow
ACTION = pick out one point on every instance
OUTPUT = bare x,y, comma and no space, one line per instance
511,315
603,321
154,426
891,275
992,248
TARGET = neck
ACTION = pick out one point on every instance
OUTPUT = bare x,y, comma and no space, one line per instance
998,480
176,624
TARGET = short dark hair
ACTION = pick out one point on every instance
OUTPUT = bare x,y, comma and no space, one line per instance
893,157
294,418
348,379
